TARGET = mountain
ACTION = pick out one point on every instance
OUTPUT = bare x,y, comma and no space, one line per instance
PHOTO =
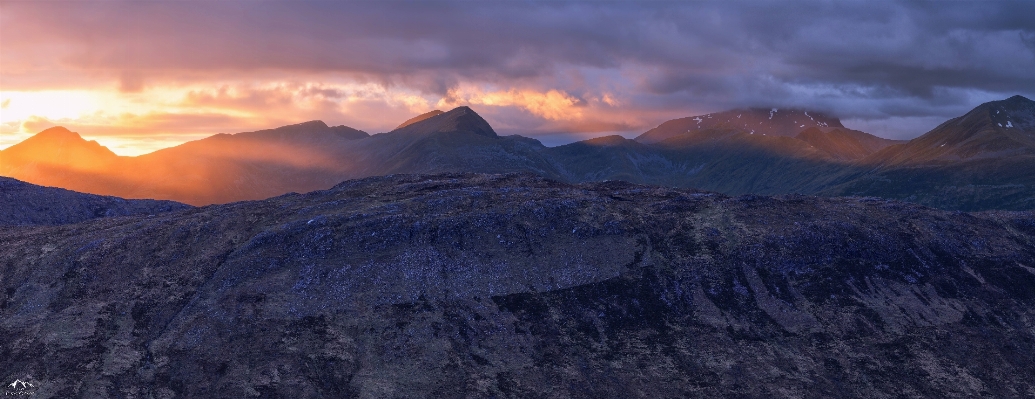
60,147
61,158
981,160
218,169
24,204
995,129
250,165
315,132
466,285
766,122
753,126
460,119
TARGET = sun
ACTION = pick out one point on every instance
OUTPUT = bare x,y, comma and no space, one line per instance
50,104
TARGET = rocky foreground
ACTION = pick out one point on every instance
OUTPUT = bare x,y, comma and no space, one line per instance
469,285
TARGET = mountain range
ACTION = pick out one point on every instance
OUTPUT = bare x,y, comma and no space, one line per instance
981,160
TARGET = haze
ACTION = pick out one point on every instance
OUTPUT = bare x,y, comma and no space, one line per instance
142,76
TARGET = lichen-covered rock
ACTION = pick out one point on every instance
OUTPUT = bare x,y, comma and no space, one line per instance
465,285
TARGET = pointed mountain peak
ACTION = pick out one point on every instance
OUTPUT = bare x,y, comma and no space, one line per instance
59,136
1016,112
58,145
59,133
460,119
1019,99
999,128
419,118
348,132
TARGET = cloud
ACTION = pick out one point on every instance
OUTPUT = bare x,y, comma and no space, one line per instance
620,64
551,105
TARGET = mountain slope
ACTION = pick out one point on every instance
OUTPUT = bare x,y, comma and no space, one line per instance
218,169
61,158
23,204
251,165
995,129
844,144
515,286
460,119
981,160
770,122
734,163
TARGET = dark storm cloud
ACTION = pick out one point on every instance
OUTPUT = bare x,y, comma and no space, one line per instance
868,60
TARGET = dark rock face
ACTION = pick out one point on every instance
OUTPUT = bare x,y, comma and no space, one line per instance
24,204
469,285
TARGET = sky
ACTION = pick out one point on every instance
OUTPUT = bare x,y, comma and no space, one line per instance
139,76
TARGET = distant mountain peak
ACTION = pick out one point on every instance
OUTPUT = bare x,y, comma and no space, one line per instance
995,129
1016,113
57,133
419,118
59,137
1019,98
315,129
752,121
459,119
304,126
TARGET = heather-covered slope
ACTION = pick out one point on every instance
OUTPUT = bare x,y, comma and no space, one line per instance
24,204
516,286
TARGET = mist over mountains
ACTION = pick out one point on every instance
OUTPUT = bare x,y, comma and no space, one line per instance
974,162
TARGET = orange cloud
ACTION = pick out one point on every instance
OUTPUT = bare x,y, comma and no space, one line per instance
551,104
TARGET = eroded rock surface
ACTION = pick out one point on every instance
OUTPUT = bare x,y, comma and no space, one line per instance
465,285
